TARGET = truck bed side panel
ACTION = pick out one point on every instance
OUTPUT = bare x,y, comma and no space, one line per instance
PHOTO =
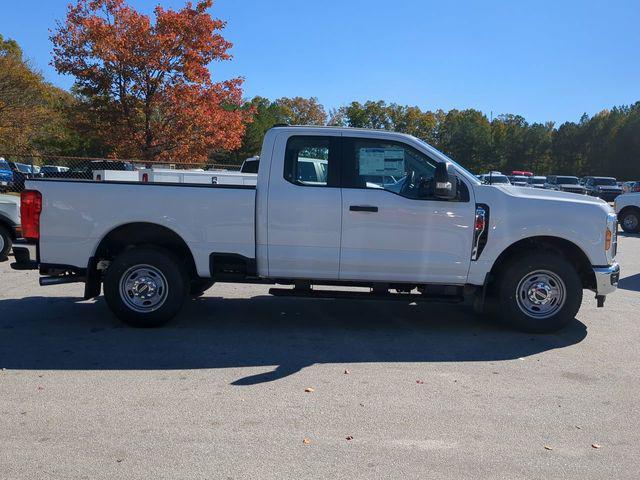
76,216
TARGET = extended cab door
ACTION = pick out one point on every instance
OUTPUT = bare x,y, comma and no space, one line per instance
393,228
304,206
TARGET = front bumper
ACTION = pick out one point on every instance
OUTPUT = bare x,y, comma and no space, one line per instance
606,279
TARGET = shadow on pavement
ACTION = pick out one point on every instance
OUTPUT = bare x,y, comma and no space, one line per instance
630,283
48,333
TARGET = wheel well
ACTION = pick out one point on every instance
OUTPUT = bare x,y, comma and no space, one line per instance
567,249
134,234
9,228
629,208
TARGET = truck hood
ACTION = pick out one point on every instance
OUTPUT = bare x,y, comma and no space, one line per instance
540,194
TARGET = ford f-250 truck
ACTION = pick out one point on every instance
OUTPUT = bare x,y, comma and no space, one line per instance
332,206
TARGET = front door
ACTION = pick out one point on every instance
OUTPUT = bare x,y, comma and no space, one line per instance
393,228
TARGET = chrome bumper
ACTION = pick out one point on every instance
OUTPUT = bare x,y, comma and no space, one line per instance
606,279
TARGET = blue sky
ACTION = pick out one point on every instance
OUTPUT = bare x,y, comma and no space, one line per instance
546,60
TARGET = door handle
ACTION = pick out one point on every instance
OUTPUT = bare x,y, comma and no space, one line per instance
363,208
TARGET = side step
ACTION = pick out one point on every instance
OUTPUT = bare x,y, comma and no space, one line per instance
344,294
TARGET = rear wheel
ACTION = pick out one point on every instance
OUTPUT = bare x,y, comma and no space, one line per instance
630,220
6,242
146,286
540,293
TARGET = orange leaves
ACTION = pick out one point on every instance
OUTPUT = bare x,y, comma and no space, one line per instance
148,82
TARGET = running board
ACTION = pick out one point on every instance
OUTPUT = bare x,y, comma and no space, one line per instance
344,294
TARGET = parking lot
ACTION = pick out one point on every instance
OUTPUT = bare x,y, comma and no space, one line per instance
394,390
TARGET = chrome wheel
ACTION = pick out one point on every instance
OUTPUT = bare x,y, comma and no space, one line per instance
630,222
143,288
541,294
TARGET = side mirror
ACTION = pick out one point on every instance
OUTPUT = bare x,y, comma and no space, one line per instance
446,181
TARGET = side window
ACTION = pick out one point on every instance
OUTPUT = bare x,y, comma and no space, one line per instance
311,161
390,166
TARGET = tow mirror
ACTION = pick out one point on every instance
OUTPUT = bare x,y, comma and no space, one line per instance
446,181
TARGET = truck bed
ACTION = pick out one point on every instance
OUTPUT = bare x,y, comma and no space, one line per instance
76,215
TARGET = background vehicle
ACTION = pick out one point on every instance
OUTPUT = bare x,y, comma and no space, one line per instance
46,169
519,180
605,188
21,172
537,181
210,177
565,183
630,187
494,179
250,165
627,207
9,223
84,170
6,176
332,206
522,173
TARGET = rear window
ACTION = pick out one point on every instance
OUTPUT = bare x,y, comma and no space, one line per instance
611,182
568,180
250,167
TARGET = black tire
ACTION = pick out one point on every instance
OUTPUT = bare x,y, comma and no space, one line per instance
200,286
509,288
630,220
6,242
157,267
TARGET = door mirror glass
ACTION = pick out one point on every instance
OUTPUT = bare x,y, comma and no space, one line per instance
446,181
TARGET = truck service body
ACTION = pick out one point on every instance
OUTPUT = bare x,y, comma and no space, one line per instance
332,206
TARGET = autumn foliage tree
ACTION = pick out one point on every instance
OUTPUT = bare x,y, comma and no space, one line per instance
147,83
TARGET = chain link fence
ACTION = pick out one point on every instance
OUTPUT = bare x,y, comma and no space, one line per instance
16,169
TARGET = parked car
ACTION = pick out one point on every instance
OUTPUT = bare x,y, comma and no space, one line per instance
627,206
9,223
565,183
84,170
519,180
522,173
46,169
250,165
6,176
630,187
378,209
537,181
494,178
605,188
21,172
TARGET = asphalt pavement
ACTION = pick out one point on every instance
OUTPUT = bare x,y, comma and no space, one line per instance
248,386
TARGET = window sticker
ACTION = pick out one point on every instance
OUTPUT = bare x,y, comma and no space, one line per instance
381,161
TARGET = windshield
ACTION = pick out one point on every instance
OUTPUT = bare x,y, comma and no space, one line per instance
519,178
437,153
494,179
610,182
250,167
537,180
23,168
568,180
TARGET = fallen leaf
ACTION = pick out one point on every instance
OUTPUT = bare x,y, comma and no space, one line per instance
119,460
420,382
306,441
349,437
547,447
362,404
347,372
595,445
309,389
578,427
40,388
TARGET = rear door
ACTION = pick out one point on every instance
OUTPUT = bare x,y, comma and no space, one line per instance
393,228
304,206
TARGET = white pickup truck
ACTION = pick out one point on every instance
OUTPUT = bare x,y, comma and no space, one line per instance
332,206
627,207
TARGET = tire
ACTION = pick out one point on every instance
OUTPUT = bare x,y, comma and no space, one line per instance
200,286
6,242
630,220
539,293
146,286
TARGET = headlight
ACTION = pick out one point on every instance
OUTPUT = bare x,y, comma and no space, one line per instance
611,236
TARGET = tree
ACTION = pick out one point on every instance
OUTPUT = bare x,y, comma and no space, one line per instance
147,83
300,111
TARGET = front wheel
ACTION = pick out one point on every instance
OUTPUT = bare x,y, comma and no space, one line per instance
630,220
146,286
540,293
